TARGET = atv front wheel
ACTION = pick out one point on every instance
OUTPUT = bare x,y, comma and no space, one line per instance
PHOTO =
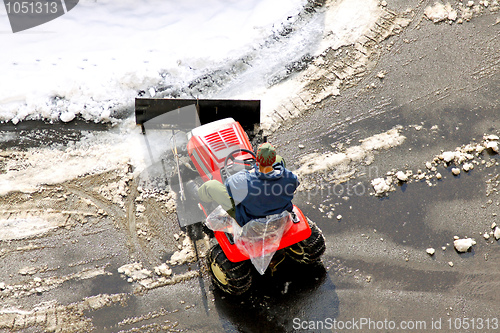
231,277
309,250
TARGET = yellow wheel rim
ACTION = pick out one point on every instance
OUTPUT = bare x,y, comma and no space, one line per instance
300,250
218,273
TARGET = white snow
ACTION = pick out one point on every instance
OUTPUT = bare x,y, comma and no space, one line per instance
401,176
491,137
93,61
493,145
315,162
440,12
448,156
20,228
496,233
381,185
185,254
163,270
468,166
457,156
134,271
97,56
463,244
95,153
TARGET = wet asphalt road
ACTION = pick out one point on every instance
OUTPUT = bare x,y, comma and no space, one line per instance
444,75
375,267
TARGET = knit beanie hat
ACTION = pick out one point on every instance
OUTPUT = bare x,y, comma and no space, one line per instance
266,154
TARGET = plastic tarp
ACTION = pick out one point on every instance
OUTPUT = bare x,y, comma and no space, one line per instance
259,238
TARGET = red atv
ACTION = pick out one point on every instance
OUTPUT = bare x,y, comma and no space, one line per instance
218,149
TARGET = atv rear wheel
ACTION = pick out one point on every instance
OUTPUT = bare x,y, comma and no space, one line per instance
309,250
231,277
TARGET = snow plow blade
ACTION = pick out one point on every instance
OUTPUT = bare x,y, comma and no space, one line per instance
246,112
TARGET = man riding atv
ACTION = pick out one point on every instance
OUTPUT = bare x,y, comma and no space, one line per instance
251,194
265,225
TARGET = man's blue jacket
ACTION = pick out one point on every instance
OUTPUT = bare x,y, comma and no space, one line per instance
258,194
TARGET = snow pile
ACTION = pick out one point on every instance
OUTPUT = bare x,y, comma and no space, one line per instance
312,163
163,270
440,12
381,185
94,60
20,228
185,254
146,279
468,166
351,28
463,244
103,54
95,153
135,272
384,140
457,156
491,142
402,176
444,12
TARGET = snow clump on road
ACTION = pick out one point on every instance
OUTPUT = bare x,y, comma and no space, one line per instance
463,244
440,12
381,185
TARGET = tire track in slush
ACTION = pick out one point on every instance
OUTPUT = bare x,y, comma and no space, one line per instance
123,219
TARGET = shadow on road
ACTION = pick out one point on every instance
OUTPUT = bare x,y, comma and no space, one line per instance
295,293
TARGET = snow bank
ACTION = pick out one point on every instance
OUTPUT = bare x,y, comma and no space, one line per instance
92,61
342,23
